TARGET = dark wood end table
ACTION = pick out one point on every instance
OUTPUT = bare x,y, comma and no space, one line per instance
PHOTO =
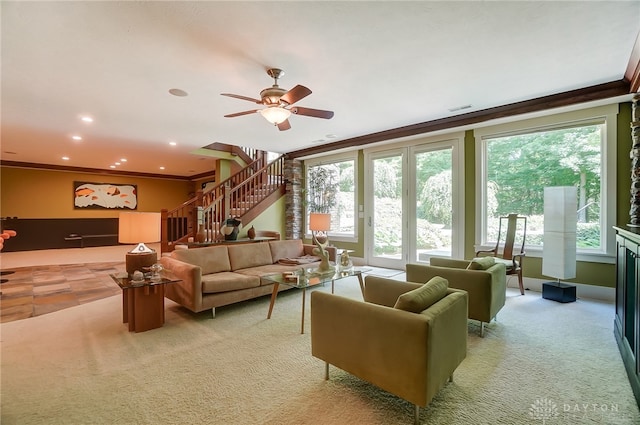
143,302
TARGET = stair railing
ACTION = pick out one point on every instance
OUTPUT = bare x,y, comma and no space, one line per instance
233,197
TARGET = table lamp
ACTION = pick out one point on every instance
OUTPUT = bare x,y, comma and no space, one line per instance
319,224
140,228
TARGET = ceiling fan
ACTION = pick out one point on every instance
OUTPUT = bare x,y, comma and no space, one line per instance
279,101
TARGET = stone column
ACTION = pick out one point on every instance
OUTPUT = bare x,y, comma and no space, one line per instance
634,212
294,198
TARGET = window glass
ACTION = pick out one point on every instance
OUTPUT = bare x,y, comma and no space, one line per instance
520,166
331,188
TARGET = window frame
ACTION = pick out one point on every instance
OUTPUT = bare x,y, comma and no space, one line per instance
327,160
604,115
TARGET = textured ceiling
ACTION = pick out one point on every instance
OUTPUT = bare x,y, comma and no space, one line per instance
378,65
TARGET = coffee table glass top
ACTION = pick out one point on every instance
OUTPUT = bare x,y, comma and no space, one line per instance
124,281
306,277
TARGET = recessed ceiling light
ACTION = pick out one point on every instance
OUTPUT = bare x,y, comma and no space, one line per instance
172,143
123,159
318,141
178,92
162,168
117,163
87,118
112,166
65,158
331,136
76,137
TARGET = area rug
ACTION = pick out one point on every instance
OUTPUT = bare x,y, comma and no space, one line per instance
541,363
36,290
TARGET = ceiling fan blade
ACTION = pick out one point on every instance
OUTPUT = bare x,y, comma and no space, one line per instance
237,114
295,94
309,112
237,96
284,125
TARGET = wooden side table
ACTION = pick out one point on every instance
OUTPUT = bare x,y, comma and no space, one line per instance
143,302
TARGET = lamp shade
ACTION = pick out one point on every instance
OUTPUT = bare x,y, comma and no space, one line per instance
319,222
136,227
275,114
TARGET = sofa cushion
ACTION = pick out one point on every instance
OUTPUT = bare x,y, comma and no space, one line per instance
481,263
423,297
211,259
227,281
247,255
290,248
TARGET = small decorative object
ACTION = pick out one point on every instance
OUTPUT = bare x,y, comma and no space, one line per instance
230,228
201,235
251,233
138,277
155,272
345,261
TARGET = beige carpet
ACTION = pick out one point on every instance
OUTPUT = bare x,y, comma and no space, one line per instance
81,366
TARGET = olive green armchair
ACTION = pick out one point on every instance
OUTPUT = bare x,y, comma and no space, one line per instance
487,288
411,354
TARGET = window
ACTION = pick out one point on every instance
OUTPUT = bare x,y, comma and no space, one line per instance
331,187
518,163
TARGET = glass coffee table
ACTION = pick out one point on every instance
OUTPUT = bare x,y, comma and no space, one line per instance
143,301
307,277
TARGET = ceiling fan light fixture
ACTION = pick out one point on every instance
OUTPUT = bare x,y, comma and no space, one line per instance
275,114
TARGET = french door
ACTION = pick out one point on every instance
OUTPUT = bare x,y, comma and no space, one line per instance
413,204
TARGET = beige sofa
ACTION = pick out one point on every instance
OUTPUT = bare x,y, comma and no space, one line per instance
486,288
219,275
409,354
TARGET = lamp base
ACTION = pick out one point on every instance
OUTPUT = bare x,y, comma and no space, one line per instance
140,261
560,292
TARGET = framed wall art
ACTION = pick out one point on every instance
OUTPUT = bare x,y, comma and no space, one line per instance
88,195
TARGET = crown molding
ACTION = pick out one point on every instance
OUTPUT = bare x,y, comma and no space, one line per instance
587,94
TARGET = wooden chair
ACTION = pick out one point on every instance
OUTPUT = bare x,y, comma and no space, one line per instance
512,258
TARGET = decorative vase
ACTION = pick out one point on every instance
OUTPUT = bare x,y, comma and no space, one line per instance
201,235
230,228
251,233
345,261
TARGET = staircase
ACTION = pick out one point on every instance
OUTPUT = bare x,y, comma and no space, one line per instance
244,195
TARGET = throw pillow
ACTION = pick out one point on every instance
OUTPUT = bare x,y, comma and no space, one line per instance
482,263
423,297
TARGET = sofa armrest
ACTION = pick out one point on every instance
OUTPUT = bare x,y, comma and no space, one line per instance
390,348
332,250
187,292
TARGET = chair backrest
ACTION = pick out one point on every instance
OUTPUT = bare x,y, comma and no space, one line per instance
512,233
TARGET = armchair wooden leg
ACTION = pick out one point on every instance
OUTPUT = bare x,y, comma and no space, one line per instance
481,329
326,371
520,282
213,313
451,378
416,418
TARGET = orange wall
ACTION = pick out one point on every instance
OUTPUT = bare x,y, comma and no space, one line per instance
35,193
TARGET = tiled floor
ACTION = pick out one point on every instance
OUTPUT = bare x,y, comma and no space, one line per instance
53,279
37,290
